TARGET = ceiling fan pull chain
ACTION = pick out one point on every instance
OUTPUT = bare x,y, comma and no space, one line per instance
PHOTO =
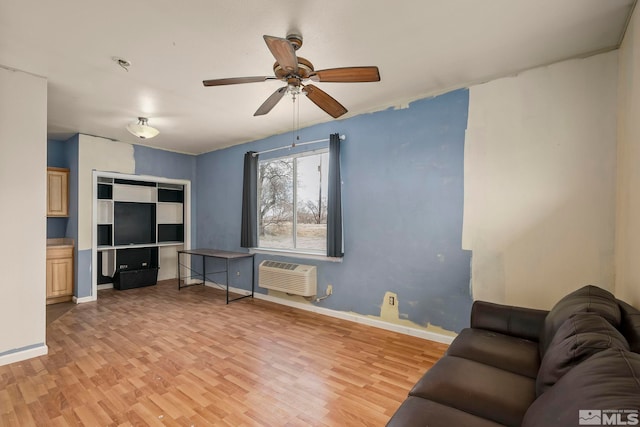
293,118
298,122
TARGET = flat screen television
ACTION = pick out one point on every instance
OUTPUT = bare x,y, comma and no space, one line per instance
134,223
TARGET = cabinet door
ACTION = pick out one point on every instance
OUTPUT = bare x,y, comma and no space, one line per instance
57,192
59,277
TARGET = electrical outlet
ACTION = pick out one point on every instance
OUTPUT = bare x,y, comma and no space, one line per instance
329,289
392,300
237,273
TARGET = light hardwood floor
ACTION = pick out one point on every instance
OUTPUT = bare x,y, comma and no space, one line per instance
161,357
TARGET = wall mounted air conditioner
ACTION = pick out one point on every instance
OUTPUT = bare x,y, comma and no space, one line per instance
297,279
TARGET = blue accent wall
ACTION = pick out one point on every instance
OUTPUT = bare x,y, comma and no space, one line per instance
57,157
167,164
57,154
402,173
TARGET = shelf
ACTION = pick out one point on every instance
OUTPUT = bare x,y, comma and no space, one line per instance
105,192
170,195
134,193
105,235
170,233
105,212
146,245
170,213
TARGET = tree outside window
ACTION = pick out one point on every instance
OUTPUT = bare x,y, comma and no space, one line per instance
284,183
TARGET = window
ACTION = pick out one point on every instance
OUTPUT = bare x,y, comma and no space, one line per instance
292,202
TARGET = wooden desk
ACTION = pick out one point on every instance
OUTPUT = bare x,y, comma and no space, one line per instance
214,253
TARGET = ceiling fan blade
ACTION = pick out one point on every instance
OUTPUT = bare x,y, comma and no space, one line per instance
236,80
271,102
323,100
283,51
347,75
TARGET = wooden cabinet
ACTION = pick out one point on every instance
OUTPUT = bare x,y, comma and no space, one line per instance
57,192
59,273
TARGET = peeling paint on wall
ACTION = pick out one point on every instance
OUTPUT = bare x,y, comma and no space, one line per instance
390,313
100,154
540,154
402,174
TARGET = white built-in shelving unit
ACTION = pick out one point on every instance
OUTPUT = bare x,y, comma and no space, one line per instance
162,206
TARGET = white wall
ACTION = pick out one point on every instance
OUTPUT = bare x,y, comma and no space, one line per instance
102,155
540,154
23,183
628,196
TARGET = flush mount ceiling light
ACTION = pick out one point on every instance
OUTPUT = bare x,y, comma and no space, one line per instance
142,129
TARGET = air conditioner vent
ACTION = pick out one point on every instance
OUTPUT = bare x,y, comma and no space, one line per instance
281,265
297,279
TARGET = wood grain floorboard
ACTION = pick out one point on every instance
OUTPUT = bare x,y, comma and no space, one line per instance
157,356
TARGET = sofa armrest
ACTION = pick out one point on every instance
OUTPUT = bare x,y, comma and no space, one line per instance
509,320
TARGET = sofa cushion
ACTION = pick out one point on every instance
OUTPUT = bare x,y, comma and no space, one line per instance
479,389
590,299
419,412
630,325
515,355
509,320
580,336
609,380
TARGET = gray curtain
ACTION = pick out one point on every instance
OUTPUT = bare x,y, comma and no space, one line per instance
249,233
334,201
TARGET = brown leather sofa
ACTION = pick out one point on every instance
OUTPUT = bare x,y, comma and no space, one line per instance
578,364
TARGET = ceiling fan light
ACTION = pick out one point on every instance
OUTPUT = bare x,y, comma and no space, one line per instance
142,129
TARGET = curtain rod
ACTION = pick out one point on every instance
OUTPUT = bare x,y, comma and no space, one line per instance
342,138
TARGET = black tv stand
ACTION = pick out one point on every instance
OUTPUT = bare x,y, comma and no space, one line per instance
130,279
137,267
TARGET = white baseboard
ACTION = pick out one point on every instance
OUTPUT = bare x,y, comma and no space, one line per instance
84,299
21,355
352,317
105,286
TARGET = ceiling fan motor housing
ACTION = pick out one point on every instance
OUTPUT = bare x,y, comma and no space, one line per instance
295,40
305,69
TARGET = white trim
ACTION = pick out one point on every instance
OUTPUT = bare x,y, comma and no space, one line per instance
297,144
139,245
352,317
19,356
82,300
158,179
294,254
105,286
307,153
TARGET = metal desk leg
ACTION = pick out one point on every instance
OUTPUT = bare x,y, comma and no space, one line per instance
179,281
227,280
253,273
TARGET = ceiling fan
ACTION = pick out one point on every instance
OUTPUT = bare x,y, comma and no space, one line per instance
294,70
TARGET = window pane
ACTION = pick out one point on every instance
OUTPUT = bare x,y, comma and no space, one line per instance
275,215
311,227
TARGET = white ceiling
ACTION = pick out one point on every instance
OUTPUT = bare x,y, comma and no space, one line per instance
422,47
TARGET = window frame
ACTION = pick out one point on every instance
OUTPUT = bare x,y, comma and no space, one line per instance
305,253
